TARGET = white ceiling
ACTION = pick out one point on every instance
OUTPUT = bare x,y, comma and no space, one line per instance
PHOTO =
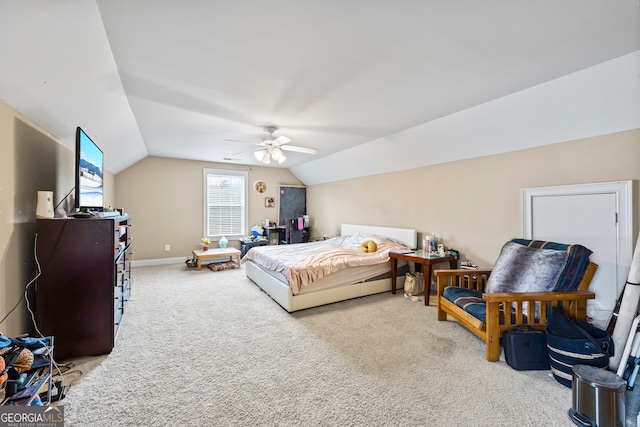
180,78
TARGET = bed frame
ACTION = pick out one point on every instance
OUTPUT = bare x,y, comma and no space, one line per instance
281,292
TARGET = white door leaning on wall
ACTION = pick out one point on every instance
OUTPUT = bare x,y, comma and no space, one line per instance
597,216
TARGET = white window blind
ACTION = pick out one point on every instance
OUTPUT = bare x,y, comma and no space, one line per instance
225,203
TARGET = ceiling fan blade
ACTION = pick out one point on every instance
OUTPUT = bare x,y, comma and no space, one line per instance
297,149
281,140
259,147
260,144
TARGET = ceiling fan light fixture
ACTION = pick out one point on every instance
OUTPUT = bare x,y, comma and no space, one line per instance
274,148
277,154
260,155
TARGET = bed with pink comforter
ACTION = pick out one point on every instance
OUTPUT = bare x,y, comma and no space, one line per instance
305,263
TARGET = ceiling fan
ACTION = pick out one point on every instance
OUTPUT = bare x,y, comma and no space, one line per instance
273,148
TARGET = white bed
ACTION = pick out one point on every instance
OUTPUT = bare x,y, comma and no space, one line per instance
340,286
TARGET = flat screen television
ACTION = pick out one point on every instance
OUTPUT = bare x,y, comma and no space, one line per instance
89,166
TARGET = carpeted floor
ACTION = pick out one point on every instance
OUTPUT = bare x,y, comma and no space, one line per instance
207,348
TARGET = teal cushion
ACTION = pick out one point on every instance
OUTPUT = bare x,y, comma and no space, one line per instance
453,292
470,300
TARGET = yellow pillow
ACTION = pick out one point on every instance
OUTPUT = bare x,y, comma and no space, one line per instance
368,246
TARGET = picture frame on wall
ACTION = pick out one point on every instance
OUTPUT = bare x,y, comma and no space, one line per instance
260,186
269,202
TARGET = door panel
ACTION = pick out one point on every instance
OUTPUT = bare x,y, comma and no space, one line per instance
597,216
555,219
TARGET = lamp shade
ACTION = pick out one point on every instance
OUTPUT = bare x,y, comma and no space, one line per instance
259,154
44,207
278,155
262,156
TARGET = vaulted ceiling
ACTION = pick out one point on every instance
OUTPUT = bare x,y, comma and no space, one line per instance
189,79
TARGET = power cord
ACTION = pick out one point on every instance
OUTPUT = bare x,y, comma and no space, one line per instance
33,317
26,289
25,297
63,199
58,384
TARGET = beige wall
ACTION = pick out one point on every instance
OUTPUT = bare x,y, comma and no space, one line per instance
474,205
31,160
165,201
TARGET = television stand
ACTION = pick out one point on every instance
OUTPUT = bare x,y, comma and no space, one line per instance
85,282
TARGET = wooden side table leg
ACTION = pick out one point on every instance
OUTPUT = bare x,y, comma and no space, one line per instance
426,277
199,263
394,266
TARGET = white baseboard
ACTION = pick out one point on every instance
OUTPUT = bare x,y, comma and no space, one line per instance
165,261
159,261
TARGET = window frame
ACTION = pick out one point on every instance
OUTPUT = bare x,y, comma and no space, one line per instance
205,192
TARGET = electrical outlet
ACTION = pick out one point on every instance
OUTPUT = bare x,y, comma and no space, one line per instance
167,248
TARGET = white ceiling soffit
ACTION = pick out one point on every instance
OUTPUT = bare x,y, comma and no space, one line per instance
59,72
181,79
597,101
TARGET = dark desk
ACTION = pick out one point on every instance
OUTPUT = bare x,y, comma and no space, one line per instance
426,261
279,232
248,244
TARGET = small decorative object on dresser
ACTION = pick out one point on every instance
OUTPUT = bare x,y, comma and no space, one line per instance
44,206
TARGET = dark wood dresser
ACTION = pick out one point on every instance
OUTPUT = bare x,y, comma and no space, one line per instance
81,294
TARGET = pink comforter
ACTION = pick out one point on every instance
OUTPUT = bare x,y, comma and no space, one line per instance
304,263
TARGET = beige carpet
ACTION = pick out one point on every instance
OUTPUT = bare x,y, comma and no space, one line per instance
207,348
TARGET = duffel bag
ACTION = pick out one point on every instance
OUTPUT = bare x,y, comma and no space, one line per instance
575,343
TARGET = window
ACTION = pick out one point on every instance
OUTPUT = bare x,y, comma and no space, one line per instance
225,203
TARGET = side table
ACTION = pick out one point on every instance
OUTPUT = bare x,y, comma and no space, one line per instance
427,261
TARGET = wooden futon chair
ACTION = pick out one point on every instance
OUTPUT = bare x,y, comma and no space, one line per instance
528,278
